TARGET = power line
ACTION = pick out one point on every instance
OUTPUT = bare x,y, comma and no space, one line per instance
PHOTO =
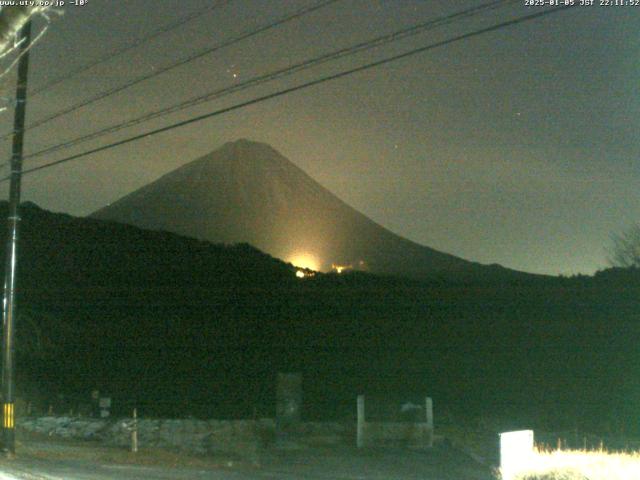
313,62
282,20
302,86
130,46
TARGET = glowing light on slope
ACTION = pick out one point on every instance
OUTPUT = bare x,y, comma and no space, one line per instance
340,268
305,273
304,260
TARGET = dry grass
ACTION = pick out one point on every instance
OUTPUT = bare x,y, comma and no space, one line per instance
580,465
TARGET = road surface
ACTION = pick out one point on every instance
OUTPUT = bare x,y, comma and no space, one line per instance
72,463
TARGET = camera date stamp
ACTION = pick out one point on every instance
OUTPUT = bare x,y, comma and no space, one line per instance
582,3
43,3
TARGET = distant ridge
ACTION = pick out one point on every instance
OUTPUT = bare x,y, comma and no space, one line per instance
248,192
184,327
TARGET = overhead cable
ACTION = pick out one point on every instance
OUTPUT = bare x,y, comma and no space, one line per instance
302,86
207,51
277,74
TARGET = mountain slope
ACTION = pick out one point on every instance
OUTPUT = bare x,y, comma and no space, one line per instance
248,192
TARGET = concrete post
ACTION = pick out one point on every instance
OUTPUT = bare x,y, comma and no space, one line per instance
134,432
428,408
288,408
361,419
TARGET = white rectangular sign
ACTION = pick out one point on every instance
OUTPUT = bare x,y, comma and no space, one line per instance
516,452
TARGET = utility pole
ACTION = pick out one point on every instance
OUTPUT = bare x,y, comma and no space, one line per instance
12,19
9,309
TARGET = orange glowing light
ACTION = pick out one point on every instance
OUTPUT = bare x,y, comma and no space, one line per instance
340,268
304,260
305,273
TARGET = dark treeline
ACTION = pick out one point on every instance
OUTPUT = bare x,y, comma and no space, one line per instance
181,327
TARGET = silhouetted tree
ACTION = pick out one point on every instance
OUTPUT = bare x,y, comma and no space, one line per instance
625,248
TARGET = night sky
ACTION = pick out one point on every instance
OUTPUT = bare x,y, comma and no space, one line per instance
517,147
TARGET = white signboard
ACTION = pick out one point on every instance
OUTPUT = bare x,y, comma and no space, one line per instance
516,452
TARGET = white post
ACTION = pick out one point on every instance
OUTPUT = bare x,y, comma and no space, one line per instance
134,431
361,420
428,408
516,452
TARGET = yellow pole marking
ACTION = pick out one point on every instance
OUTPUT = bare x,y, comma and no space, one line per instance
8,415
